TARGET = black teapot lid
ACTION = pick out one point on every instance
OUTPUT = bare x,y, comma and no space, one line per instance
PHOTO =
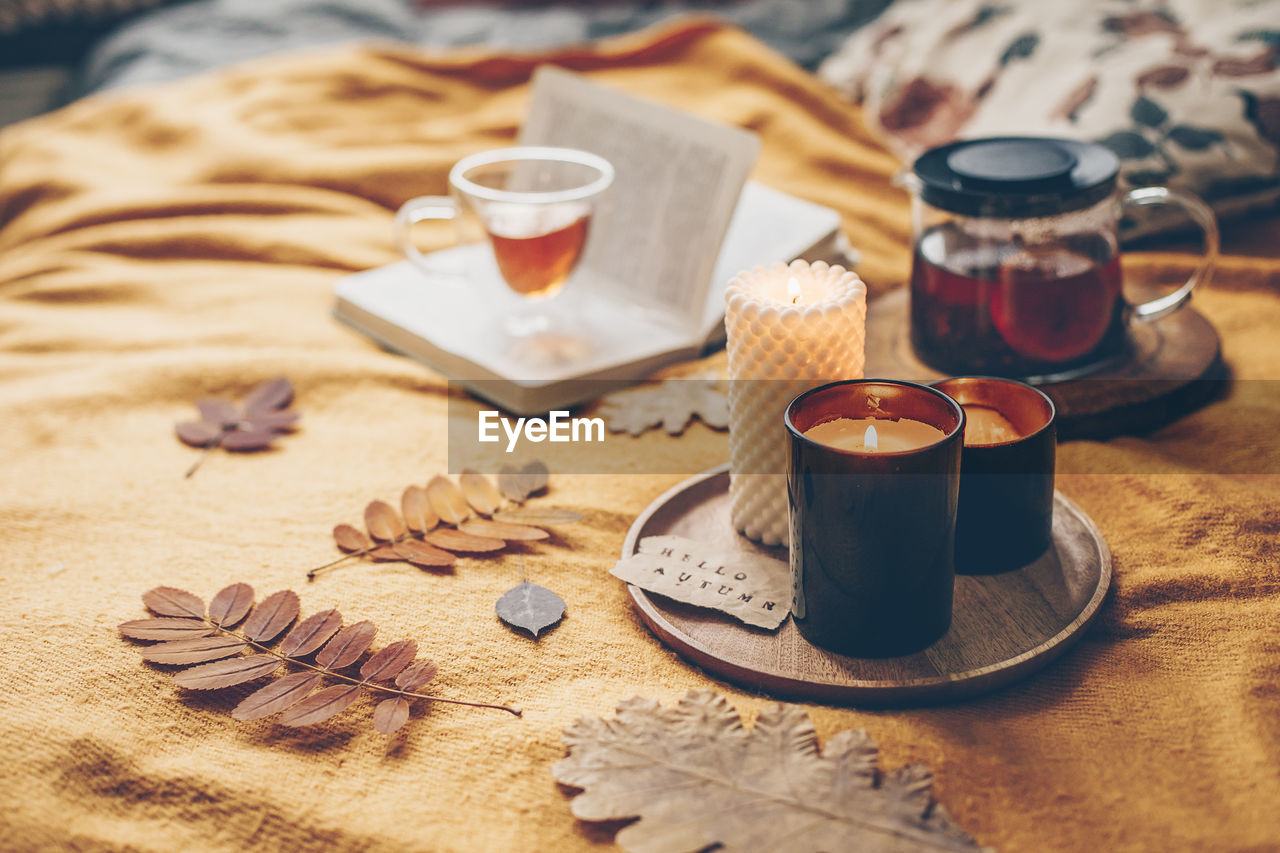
1016,177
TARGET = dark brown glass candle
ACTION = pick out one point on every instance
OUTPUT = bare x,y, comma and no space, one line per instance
872,530
1005,519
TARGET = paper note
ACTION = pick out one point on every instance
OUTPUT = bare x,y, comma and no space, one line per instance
750,587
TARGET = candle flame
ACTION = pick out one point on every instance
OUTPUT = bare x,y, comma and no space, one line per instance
793,289
870,441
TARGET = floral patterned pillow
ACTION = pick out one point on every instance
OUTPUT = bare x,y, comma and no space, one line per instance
1186,92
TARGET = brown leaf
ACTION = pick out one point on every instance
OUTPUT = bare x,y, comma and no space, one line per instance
390,715
416,675
351,539
385,554
1163,76
480,492
456,540
389,660
194,650
278,695
268,396
247,440
169,601
347,646
198,433
310,634
422,554
227,673
383,523
231,604
519,483
541,517
320,706
218,412
500,530
166,628
697,779
276,421
418,514
275,613
447,501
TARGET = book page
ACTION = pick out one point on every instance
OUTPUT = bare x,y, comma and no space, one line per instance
655,238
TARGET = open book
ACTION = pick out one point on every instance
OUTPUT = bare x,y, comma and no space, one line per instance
649,291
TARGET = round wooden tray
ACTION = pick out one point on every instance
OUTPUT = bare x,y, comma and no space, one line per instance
1160,380
1003,626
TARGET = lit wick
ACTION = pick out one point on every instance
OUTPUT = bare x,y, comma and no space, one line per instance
793,289
870,441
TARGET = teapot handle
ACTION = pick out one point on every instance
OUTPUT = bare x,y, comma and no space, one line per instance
1203,216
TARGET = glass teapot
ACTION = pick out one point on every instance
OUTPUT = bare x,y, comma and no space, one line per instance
1016,267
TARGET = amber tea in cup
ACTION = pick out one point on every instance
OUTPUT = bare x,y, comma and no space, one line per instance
1016,270
534,205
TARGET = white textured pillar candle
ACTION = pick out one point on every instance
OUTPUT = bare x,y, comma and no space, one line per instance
790,328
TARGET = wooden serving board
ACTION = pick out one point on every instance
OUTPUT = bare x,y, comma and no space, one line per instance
1003,626
1164,376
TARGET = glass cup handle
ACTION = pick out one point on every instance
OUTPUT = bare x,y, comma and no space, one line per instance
1203,216
421,209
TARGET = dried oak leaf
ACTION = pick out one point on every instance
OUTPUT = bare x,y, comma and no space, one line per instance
672,403
257,421
696,778
226,657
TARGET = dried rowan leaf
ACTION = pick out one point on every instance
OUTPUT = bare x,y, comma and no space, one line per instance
268,396
447,501
310,634
672,403
277,696
195,650
531,607
252,425
416,675
519,483
390,715
422,554
389,660
275,613
696,779
351,539
320,706
498,530
166,628
418,514
219,661
227,673
456,540
231,604
541,517
383,523
347,646
169,601
480,492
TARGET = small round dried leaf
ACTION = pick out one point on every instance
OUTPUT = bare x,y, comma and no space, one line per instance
456,540
268,396
198,433
503,530
383,522
418,514
351,539
416,675
218,411
388,661
170,601
390,715
246,440
447,501
422,554
231,604
480,492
